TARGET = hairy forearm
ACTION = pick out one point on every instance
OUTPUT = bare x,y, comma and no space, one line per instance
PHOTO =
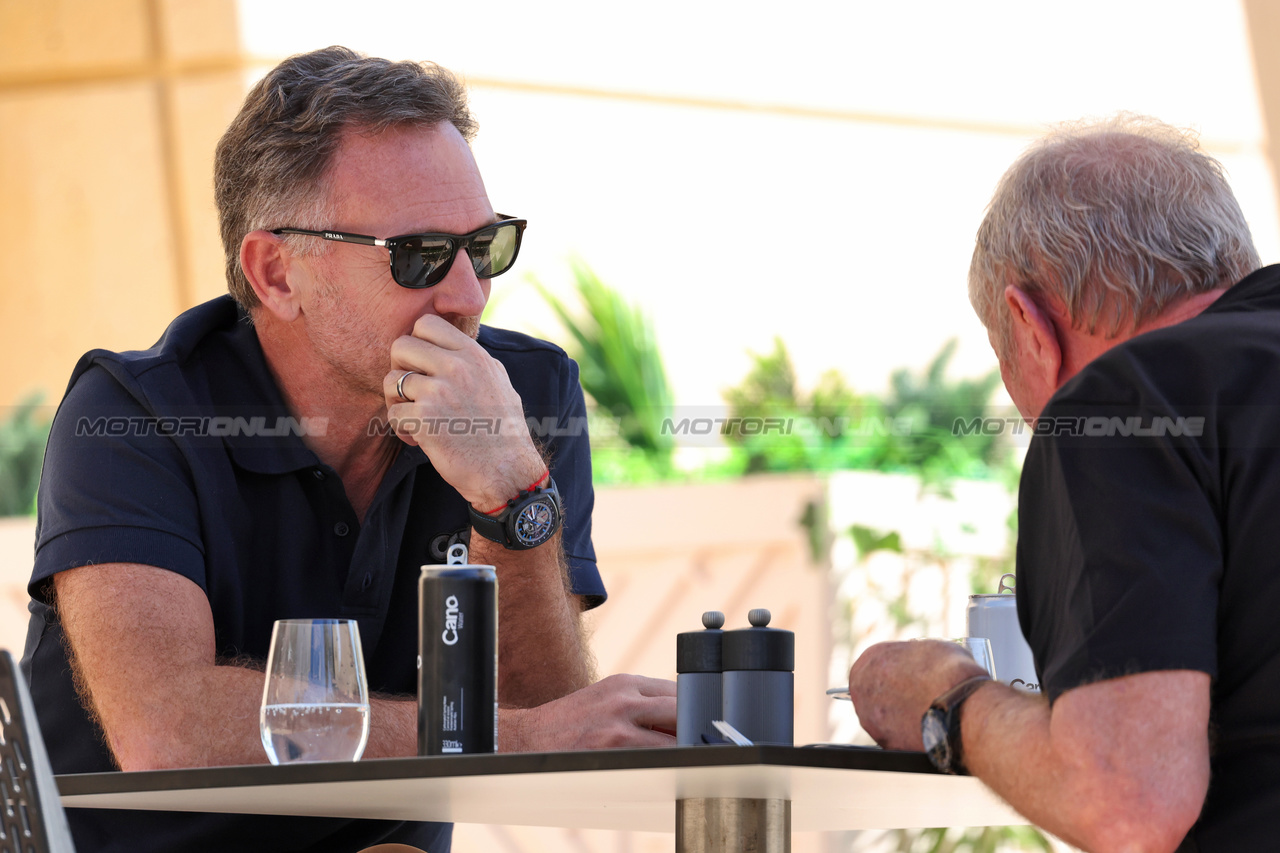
542,651
208,718
1007,744
1080,777
214,721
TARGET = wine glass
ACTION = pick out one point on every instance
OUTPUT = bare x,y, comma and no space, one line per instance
980,649
315,703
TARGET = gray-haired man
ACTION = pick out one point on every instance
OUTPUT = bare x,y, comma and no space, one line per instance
1118,282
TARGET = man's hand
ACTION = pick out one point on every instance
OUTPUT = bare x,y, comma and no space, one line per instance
462,411
620,711
893,684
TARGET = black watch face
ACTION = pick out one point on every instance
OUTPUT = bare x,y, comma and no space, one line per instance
535,523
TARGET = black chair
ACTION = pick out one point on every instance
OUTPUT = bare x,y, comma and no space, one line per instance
31,815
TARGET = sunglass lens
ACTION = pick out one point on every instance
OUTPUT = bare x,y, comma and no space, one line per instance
493,251
420,261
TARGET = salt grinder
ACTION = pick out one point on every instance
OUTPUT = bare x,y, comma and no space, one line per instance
698,691
759,680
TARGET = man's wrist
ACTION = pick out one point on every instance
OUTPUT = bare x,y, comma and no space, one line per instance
533,487
526,521
941,726
505,483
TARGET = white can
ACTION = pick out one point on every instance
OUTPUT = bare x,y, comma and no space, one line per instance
996,618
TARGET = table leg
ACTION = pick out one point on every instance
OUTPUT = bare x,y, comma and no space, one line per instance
733,825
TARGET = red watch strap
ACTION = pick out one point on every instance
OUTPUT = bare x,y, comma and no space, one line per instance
533,487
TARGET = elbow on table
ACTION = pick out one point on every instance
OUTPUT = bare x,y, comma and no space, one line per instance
151,750
134,756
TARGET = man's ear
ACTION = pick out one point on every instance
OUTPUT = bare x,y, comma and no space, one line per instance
1035,337
264,257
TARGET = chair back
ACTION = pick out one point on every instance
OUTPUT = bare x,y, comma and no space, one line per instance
31,815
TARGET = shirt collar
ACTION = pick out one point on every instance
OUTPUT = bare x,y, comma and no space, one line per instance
269,441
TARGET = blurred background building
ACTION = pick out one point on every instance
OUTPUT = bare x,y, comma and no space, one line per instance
739,170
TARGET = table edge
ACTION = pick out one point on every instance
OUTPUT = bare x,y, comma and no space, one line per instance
840,757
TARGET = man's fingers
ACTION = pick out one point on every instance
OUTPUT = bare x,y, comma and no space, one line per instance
654,686
649,737
657,713
425,357
398,387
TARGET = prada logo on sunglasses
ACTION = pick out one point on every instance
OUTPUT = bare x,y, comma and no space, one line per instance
423,260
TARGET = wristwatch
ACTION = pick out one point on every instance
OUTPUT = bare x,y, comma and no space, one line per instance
940,727
525,522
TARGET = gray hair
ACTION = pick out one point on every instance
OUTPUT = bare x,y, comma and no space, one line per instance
271,166
1117,219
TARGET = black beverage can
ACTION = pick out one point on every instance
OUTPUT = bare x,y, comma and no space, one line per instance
458,665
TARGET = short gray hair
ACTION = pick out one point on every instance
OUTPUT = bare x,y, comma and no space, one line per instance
271,166
1118,219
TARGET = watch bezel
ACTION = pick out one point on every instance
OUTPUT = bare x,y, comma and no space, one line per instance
933,731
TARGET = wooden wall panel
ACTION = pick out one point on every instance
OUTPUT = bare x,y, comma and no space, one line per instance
57,39
109,112
85,254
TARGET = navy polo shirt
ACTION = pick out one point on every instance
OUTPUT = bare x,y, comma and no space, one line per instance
184,457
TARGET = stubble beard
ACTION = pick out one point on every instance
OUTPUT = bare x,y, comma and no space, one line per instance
469,326
360,361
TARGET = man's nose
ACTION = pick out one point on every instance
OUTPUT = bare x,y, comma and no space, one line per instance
460,291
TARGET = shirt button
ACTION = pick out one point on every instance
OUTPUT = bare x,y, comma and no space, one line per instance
341,528
317,473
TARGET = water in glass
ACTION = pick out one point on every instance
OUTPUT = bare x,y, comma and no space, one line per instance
315,703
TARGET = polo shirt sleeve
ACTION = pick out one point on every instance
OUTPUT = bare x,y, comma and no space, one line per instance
570,451
112,490
1120,548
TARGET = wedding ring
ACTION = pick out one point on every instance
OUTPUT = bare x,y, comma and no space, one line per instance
400,383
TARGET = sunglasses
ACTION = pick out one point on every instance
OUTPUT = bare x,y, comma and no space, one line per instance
422,260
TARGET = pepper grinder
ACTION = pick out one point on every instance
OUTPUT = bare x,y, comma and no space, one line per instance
759,680
698,693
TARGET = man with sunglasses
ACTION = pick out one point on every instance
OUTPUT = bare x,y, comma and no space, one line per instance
1118,281
301,448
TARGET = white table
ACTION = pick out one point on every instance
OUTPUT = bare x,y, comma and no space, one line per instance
823,788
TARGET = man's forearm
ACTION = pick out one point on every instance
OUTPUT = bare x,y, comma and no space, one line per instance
542,652
215,722
1085,775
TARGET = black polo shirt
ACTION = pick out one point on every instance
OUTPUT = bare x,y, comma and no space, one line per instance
1148,536
184,457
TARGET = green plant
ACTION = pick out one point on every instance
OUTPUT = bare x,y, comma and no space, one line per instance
911,429
828,429
982,839
869,540
621,369
932,404
23,436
